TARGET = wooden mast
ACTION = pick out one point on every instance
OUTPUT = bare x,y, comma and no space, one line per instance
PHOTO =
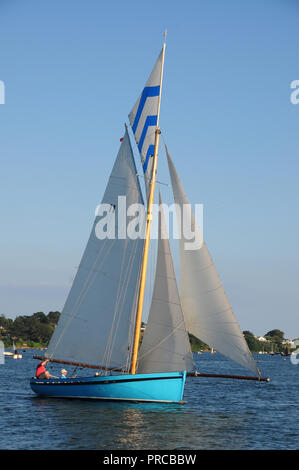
148,227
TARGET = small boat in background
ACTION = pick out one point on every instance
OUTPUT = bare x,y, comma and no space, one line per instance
8,354
16,354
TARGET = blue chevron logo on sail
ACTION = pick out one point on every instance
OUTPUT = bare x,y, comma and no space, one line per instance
150,120
148,91
144,118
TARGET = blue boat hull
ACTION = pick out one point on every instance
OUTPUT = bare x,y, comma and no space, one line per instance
160,387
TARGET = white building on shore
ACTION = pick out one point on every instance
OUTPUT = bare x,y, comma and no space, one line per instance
261,338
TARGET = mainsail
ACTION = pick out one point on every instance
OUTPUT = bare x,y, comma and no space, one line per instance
207,310
97,322
165,346
144,118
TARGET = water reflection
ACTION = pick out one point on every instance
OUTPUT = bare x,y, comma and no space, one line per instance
218,414
110,425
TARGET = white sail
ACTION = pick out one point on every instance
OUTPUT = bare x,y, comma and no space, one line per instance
143,119
165,346
207,310
97,322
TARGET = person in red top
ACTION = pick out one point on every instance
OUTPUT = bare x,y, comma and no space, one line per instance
41,372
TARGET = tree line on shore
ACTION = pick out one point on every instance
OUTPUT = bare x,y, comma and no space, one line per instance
35,331
31,331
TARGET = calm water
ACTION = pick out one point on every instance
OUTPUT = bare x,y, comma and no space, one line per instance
219,414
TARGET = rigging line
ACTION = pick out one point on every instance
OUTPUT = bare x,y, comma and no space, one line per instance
91,270
154,253
178,297
162,135
77,305
74,309
162,341
107,355
133,319
174,219
108,349
82,295
149,285
123,294
86,286
117,296
116,330
119,307
131,329
182,322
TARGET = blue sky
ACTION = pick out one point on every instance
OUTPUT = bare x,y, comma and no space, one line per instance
73,70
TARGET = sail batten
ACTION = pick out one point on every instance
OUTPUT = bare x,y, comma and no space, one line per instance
207,310
95,326
165,346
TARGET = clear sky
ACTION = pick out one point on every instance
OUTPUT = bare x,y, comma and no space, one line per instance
73,70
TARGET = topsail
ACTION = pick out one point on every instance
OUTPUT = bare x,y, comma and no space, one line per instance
144,118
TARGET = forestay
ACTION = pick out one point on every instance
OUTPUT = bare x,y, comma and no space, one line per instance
144,117
207,310
97,322
165,346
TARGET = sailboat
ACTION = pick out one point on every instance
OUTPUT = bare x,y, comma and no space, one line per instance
16,354
99,327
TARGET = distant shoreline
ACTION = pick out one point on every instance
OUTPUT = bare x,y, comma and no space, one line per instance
35,331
